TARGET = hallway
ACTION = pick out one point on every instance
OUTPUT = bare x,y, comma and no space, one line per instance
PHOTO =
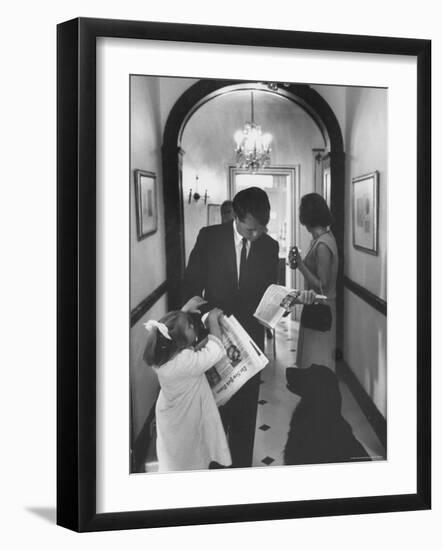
276,403
188,128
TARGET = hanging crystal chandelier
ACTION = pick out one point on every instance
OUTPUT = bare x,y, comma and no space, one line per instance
252,146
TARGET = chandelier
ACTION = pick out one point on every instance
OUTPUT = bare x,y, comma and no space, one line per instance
252,146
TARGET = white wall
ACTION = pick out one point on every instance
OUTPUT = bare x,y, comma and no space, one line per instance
365,347
363,116
366,151
335,96
365,338
151,100
170,90
148,257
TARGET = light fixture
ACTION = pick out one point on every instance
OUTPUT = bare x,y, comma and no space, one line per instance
318,154
196,196
252,146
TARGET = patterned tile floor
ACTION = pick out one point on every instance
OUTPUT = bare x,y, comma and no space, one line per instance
276,403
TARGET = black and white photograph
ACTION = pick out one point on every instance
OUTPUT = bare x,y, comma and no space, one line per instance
258,326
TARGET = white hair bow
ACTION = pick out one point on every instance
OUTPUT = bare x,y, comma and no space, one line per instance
160,326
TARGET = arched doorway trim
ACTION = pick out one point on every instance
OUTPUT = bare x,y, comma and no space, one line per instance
206,90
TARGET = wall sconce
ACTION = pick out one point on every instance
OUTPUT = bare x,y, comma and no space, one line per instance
318,153
196,196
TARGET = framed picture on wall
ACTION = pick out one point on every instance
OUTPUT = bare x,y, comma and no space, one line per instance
96,61
365,210
146,203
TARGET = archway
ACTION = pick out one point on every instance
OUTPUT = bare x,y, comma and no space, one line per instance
204,90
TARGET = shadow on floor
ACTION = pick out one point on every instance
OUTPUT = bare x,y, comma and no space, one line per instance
48,514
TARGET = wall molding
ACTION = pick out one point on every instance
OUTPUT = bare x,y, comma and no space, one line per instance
150,300
371,299
365,402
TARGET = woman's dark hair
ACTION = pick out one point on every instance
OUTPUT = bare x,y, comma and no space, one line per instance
253,201
314,211
160,349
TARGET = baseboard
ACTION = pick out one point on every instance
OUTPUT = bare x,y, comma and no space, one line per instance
365,402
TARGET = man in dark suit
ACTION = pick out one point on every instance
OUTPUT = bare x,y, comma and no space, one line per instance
226,210
232,265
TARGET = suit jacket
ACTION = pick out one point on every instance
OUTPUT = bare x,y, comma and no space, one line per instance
211,272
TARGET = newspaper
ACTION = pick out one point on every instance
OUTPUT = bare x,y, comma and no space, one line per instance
276,301
243,360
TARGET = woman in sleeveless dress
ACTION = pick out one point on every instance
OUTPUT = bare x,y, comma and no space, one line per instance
319,269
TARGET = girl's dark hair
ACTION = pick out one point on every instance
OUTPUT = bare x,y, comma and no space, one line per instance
160,349
314,211
253,201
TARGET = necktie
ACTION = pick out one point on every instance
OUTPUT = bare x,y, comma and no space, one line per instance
242,263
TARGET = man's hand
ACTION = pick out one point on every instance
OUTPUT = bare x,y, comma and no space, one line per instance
193,305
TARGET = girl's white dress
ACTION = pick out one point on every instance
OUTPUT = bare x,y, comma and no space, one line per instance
190,433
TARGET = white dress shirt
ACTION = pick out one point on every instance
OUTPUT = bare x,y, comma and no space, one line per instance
238,247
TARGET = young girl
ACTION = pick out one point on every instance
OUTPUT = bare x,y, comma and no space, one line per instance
190,434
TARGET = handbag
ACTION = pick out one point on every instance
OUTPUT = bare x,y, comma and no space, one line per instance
316,317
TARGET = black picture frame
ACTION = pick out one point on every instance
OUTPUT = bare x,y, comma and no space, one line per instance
77,287
146,203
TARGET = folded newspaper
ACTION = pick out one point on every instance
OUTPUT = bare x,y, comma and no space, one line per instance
275,302
243,360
